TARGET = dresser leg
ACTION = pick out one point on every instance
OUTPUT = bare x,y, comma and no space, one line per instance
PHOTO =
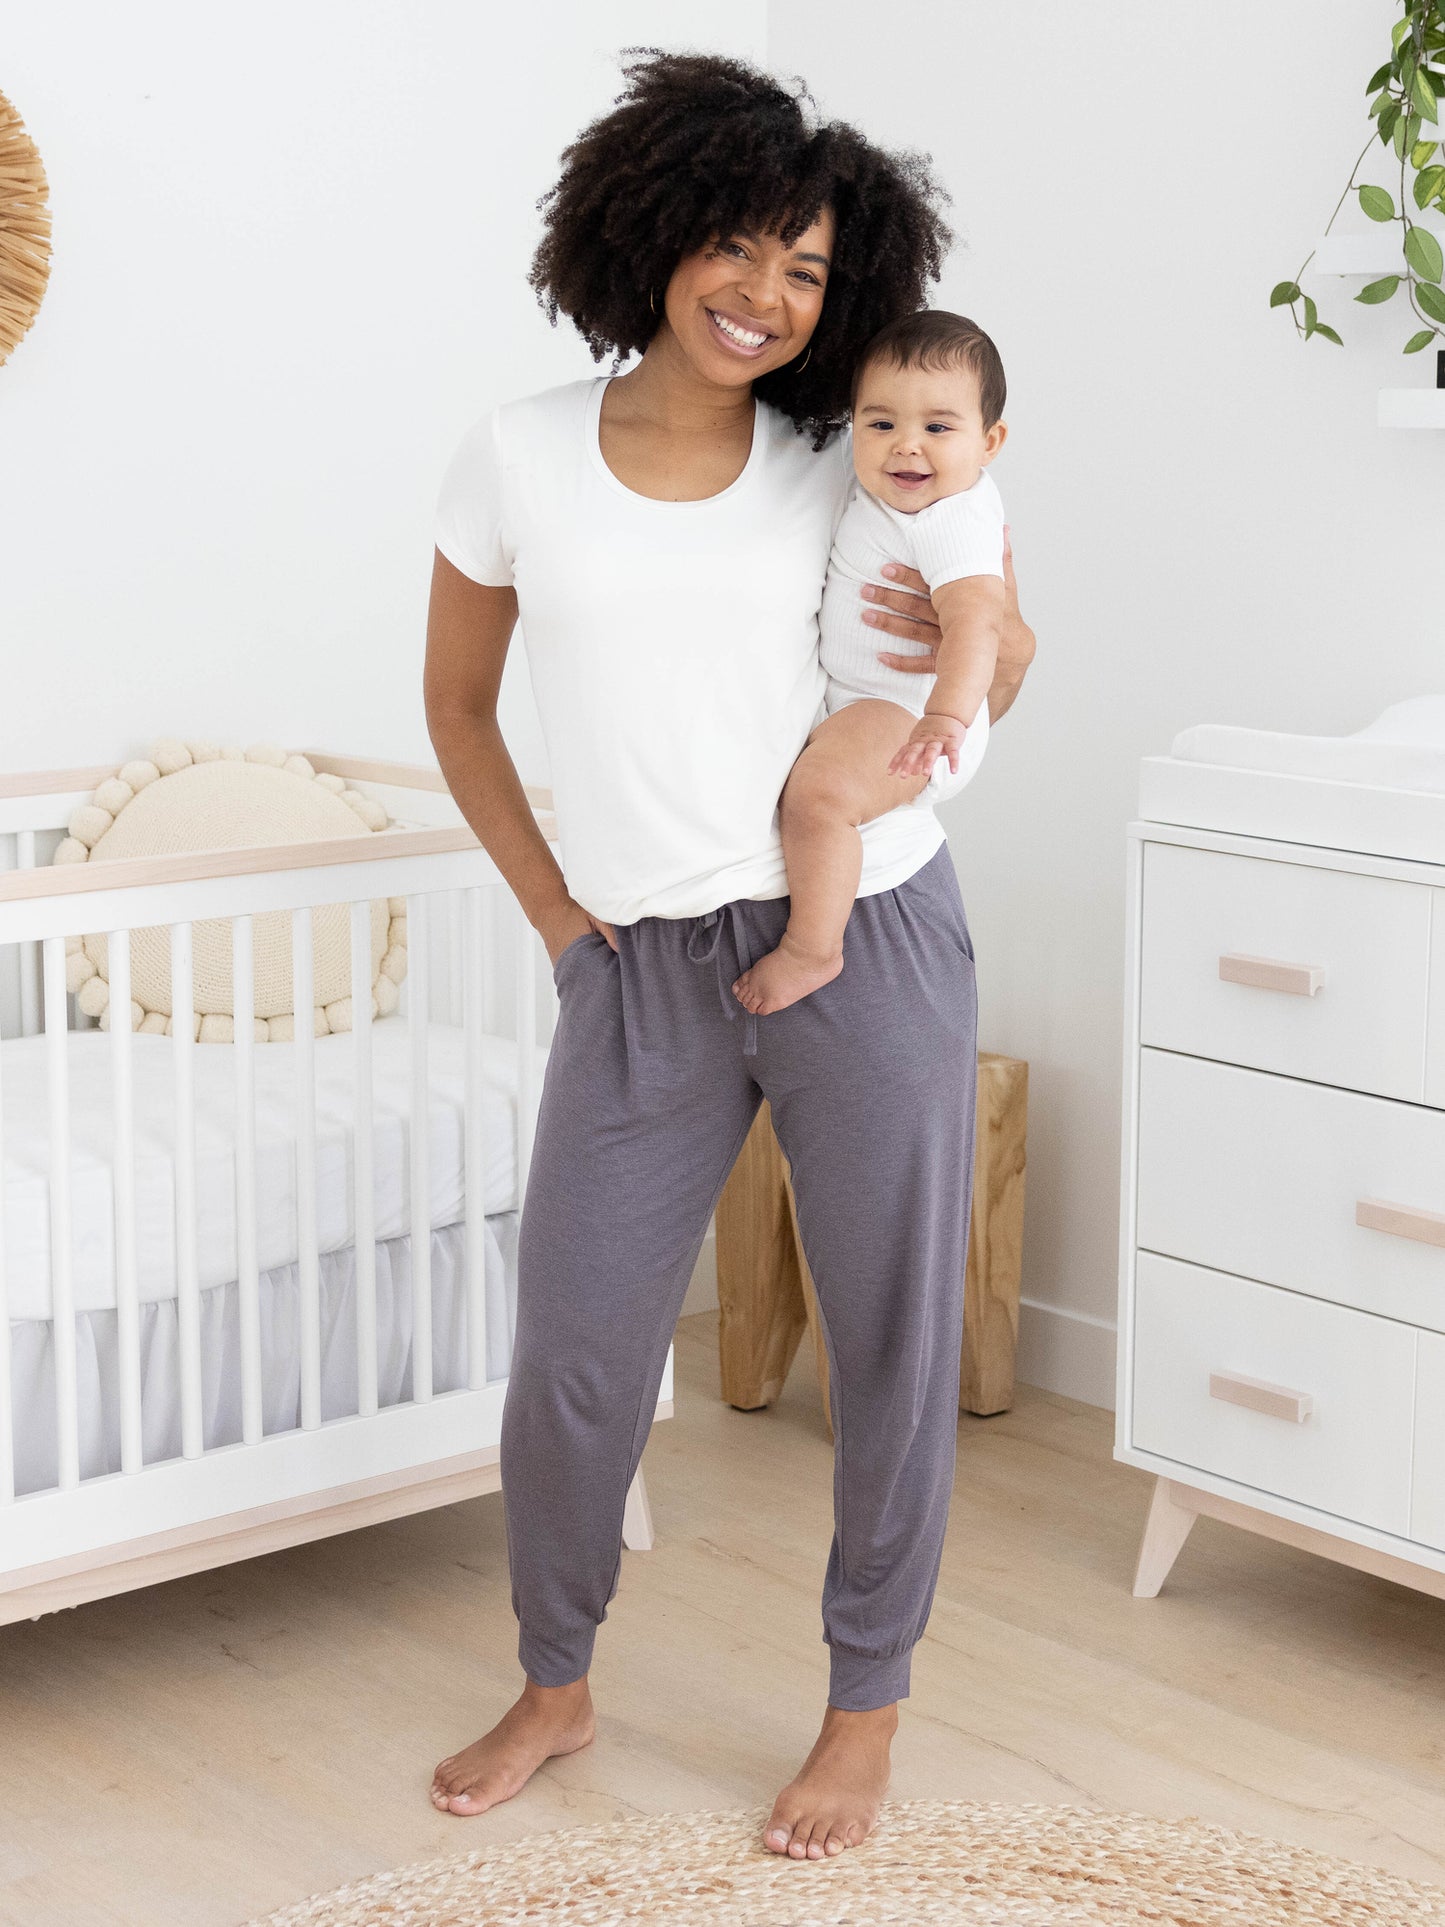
1165,1531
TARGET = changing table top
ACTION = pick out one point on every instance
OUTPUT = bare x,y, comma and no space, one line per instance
1380,791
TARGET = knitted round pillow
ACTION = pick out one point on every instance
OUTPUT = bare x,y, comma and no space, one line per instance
193,796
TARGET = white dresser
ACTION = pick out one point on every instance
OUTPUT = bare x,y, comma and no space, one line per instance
1282,1276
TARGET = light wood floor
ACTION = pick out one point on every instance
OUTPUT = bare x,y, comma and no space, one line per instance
213,1748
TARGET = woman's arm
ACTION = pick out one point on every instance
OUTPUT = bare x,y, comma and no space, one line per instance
468,629
893,611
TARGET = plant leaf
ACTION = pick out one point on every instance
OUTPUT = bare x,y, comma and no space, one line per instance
1423,95
1381,101
1428,183
1377,203
1312,317
1431,300
1387,121
1419,341
1329,334
1407,132
1421,152
1379,291
1401,31
1282,292
1424,254
1378,78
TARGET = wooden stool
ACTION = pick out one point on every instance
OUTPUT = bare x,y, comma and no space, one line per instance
765,1292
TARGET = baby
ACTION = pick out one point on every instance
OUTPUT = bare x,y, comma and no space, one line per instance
927,400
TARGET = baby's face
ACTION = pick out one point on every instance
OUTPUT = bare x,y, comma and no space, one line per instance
918,434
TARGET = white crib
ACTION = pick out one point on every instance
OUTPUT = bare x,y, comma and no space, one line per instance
243,1302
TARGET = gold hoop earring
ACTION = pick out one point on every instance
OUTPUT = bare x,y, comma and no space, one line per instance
652,299
804,362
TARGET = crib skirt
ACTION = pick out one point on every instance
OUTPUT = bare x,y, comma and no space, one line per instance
33,1353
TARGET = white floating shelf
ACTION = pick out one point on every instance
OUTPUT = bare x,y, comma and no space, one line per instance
1374,255
1412,408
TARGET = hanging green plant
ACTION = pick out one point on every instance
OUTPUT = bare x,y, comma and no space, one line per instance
1406,110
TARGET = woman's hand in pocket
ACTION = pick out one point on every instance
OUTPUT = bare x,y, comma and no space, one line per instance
569,922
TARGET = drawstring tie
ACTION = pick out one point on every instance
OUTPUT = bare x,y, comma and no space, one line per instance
703,948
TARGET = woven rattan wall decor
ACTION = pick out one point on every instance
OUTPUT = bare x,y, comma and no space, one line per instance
24,230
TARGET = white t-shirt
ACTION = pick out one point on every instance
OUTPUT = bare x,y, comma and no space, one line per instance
957,536
673,650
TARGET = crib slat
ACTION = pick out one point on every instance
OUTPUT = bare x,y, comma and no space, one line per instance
525,973
127,1291
29,953
456,951
308,1266
363,1208
418,988
7,1415
471,977
188,1275
62,1294
248,1277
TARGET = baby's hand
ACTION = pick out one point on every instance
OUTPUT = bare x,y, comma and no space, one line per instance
933,736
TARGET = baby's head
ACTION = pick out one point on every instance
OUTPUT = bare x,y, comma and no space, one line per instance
928,400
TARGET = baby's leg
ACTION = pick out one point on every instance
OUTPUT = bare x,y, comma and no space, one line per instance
840,780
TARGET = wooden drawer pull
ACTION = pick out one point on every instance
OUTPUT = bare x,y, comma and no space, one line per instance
1266,973
1401,1220
1275,1401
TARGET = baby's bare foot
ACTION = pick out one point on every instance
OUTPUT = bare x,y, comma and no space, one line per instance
784,976
834,1801
546,1721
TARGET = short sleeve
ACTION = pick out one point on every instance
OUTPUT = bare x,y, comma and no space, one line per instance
470,516
960,536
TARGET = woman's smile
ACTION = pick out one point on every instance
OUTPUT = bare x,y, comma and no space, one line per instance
744,338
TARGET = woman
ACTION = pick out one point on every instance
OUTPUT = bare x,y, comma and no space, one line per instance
664,534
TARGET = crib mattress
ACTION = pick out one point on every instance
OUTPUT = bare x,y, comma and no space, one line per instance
26,1213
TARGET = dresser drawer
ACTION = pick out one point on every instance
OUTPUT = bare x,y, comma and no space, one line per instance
1427,1517
1211,1350
1265,1175
1339,962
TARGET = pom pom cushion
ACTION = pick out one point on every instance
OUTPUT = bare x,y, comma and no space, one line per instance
193,796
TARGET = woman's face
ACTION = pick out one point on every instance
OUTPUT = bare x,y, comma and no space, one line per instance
747,304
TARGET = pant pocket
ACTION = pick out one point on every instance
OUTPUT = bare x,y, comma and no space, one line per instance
569,950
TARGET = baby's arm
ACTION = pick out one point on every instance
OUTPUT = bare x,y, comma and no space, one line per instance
971,614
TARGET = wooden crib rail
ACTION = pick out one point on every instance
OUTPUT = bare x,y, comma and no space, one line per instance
356,769
193,866
53,782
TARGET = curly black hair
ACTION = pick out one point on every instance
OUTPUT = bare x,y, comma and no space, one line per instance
699,146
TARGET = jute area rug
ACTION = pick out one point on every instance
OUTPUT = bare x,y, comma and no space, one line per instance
928,1861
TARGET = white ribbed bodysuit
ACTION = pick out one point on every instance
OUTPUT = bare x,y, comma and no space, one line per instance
960,535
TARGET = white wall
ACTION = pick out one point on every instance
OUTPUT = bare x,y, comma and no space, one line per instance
290,268
1208,523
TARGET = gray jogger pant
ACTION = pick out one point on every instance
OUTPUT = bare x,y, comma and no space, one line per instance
655,1076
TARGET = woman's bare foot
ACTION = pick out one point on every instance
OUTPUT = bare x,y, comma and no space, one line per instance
834,1801
546,1721
784,976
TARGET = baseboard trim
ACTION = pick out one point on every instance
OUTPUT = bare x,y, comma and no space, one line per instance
1069,1352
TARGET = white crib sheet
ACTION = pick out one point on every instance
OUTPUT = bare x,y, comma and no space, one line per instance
32,1365
26,1213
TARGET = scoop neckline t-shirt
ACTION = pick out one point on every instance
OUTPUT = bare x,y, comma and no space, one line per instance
757,456
672,648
